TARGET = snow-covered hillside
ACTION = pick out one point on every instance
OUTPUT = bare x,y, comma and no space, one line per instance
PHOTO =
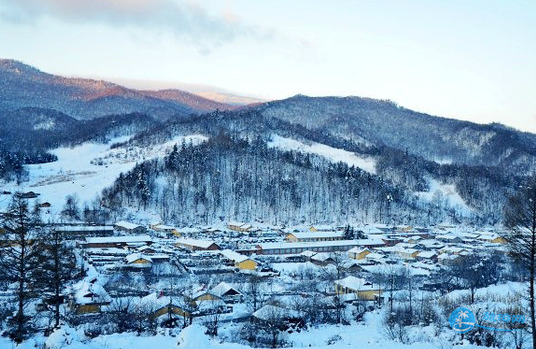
85,170
367,164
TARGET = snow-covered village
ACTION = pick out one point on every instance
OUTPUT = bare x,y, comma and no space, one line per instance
203,174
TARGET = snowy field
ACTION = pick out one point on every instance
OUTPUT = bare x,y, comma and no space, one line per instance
330,153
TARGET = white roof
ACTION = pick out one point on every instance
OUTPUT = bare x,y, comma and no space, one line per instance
135,256
321,257
358,250
427,254
163,227
84,228
369,242
308,253
356,284
222,288
195,242
276,245
234,256
118,239
127,225
89,293
269,312
318,235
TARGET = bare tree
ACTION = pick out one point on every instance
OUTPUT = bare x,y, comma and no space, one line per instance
71,209
121,311
520,219
255,291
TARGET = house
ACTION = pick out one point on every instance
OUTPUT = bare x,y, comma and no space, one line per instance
370,243
165,229
452,250
363,289
27,195
427,256
89,298
240,227
351,266
317,228
278,248
315,236
160,305
275,314
239,260
358,253
75,232
146,249
404,251
196,245
226,292
375,258
117,241
129,227
491,237
450,238
322,259
138,260
308,254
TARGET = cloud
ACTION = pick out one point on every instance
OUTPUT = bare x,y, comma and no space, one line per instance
184,19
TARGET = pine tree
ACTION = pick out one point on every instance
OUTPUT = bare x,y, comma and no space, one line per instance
19,259
57,266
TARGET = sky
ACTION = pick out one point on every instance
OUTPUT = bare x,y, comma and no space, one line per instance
467,59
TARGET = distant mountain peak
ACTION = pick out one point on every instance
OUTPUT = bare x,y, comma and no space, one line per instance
18,67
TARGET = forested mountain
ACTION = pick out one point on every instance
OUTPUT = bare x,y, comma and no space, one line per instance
242,168
24,86
379,122
330,159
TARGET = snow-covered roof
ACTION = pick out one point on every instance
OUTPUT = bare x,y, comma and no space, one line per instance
136,256
90,293
356,284
271,312
321,257
278,245
234,256
427,254
318,235
358,250
74,228
195,242
118,239
163,227
222,288
308,254
127,225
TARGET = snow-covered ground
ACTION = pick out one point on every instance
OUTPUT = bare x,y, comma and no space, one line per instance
85,170
367,334
333,154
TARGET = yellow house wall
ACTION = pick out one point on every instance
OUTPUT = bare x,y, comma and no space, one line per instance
140,261
247,264
88,309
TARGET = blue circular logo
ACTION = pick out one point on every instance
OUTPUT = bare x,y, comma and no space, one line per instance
462,320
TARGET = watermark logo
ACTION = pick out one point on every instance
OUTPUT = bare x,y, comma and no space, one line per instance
462,320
